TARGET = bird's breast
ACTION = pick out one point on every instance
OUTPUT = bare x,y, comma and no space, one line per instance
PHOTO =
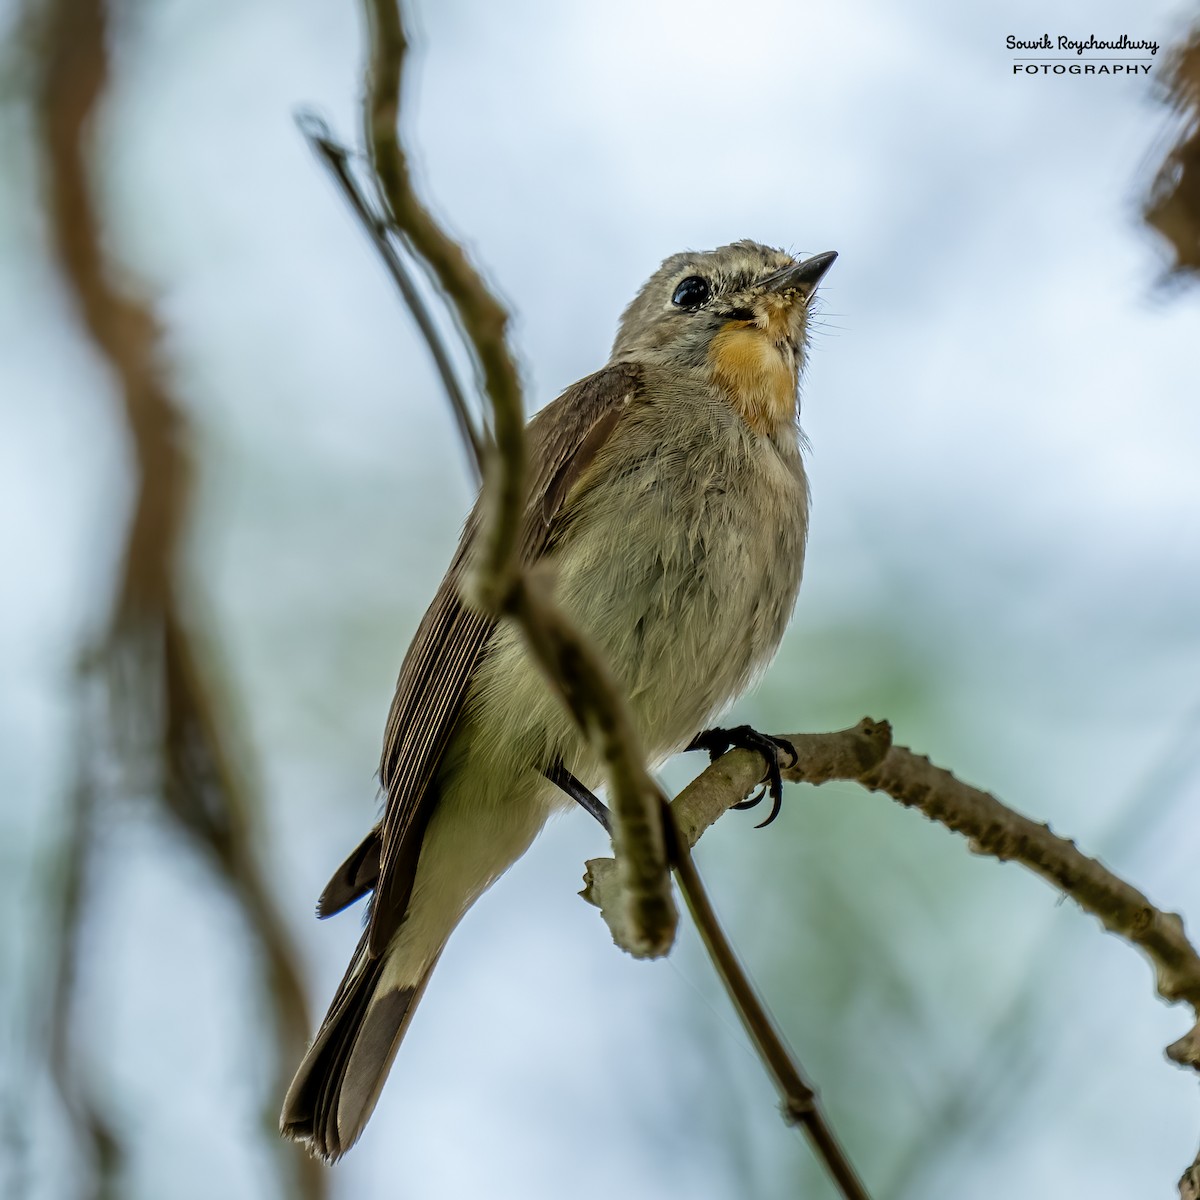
683,562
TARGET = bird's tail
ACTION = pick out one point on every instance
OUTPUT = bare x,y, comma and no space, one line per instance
339,1081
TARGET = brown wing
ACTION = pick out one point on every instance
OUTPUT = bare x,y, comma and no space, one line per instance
451,640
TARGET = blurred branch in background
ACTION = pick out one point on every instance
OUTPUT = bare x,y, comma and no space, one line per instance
1172,208
148,697
1173,205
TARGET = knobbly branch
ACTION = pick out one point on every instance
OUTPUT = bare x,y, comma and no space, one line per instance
994,830
482,317
499,582
865,755
648,915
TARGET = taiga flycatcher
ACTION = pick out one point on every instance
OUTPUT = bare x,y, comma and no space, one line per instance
669,500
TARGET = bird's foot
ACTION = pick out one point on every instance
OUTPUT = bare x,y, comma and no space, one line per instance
744,737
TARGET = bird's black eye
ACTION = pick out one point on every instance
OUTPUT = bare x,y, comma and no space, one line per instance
691,292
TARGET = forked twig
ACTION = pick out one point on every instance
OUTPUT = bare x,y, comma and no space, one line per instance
800,1105
337,158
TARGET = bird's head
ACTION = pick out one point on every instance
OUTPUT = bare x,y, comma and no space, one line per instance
739,313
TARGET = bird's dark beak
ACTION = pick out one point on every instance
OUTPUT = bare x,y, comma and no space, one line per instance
802,276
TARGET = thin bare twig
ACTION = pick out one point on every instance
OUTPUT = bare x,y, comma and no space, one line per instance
800,1106
337,158
994,829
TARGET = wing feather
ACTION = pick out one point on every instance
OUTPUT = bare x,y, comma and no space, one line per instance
451,639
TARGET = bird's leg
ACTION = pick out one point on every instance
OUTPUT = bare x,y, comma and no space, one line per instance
743,737
584,797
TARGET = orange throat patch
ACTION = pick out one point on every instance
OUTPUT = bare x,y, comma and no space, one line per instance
746,361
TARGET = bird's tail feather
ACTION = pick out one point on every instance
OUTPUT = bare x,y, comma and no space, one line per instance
337,1085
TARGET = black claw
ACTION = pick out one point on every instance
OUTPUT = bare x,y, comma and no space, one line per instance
752,801
717,741
776,805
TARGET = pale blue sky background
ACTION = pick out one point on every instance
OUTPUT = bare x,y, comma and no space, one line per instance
1004,561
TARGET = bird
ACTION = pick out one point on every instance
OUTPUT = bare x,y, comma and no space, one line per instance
668,502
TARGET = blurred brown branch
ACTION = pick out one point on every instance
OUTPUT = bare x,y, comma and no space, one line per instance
1173,205
145,694
1172,209
1189,1185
